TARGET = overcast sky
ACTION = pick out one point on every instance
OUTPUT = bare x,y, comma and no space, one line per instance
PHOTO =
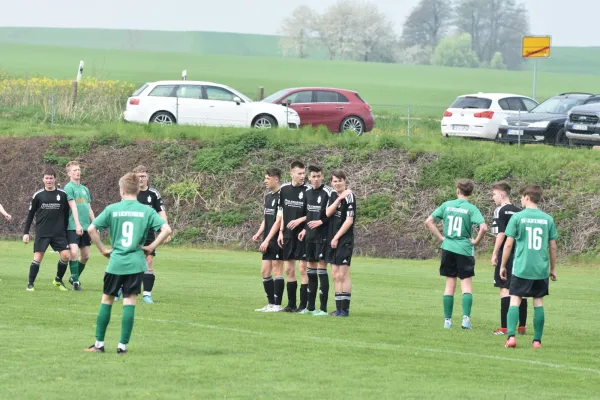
570,22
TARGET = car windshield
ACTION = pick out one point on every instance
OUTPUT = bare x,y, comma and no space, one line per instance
558,105
275,96
472,102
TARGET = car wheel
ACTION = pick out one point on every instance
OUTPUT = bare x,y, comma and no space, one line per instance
353,124
264,122
561,138
163,118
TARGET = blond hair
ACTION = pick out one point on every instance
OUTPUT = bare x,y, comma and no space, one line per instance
71,164
130,184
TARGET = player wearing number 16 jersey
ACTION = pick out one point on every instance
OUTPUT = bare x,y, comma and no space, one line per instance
458,253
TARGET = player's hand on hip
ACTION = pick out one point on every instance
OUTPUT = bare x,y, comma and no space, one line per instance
148,250
25,239
106,253
334,243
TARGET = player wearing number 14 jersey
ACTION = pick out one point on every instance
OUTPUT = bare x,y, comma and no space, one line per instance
458,253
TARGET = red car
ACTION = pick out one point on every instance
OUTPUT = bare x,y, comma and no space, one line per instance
337,109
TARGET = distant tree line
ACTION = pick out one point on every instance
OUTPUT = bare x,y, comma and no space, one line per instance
458,33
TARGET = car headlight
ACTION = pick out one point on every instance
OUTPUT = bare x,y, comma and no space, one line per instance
540,124
292,113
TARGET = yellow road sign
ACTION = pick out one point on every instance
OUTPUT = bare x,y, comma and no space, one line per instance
536,47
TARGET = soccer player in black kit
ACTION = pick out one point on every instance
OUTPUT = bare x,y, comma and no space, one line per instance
315,237
340,240
151,197
502,214
50,208
272,253
291,217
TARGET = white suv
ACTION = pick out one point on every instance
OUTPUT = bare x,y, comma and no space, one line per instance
204,103
479,115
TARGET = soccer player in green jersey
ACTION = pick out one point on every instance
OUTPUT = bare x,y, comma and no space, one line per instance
458,252
535,236
128,222
79,242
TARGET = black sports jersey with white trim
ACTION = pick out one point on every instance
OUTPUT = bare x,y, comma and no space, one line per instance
151,198
51,212
292,204
502,215
316,205
346,209
271,206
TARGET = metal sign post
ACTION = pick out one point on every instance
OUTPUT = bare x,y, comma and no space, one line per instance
535,47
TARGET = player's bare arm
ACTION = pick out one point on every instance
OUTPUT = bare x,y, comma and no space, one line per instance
5,215
95,236
73,207
482,230
497,245
505,256
265,244
279,223
165,232
294,223
345,226
430,224
163,215
261,229
553,260
331,209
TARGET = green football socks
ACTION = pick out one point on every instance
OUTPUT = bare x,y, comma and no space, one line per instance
538,322
448,306
102,321
467,303
74,268
127,323
512,319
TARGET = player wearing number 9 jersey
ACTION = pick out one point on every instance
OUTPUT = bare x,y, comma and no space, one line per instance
458,253
128,222
535,236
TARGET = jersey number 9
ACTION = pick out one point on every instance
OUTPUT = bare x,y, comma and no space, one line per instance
127,233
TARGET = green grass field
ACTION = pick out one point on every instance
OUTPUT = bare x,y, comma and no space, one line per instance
202,338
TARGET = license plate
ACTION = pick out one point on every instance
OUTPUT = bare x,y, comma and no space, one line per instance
515,132
580,127
462,128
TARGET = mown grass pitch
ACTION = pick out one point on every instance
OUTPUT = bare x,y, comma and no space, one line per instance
202,338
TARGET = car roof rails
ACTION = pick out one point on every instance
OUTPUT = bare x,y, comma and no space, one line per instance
568,93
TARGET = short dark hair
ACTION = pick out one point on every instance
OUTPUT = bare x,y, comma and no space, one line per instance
274,172
465,186
502,186
338,173
533,191
297,164
49,171
314,168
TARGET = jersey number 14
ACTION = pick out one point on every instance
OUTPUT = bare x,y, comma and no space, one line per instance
454,225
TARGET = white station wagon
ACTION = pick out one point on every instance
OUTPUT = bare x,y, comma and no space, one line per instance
204,103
